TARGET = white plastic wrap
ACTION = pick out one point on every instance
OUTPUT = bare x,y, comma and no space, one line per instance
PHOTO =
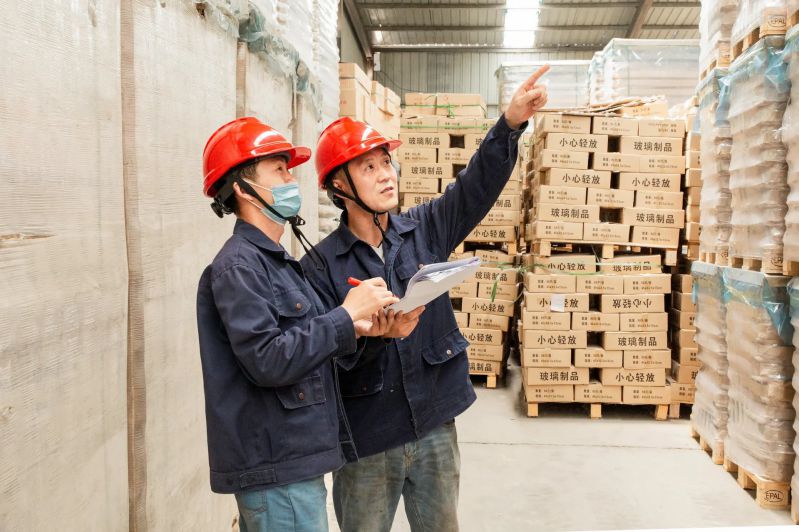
650,67
758,172
716,20
793,293
325,51
63,269
567,82
596,80
761,415
753,14
709,414
295,25
790,136
715,209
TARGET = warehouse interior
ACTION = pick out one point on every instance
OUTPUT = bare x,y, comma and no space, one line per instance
631,318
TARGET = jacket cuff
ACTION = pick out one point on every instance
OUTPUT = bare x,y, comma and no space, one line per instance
504,128
345,331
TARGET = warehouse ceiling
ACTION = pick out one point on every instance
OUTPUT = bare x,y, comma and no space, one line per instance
545,25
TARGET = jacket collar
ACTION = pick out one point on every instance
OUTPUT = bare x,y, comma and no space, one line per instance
257,238
397,226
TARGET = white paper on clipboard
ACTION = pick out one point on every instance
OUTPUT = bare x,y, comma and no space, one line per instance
434,280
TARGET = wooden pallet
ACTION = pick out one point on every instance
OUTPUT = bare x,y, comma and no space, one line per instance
795,509
661,412
790,268
793,19
770,494
716,450
491,378
772,265
676,411
709,258
544,248
774,25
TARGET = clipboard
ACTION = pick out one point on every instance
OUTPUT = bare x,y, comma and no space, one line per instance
434,280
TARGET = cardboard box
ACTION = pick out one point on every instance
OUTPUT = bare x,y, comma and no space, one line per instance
485,367
460,125
683,338
683,374
569,375
414,199
692,232
546,358
416,155
629,304
539,339
644,322
688,356
600,284
594,321
474,305
651,145
493,256
485,274
596,392
467,289
658,199
655,358
576,142
661,127
489,321
627,264
683,282
547,212
455,155
472,141
597,357
421,186
661,164
615,126
543,282
499,233
462,319
487,352
566,263
419,98
682,392
693,160
683,301
425,170
420,124
654,218
654,108
693,178
654,283
616,162
501,217
561,195
656,236
646,395
649,181
576,178
559,231
632,377
353,102
693,195
558,123
635,341
693,142
510,203
499,291
606,232
543,302
482,336
610,198
353,71
512,187
683,319
575,160
692,213
460,104
549,394
444,183
546,321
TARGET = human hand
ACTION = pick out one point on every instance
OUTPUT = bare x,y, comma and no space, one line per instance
527,99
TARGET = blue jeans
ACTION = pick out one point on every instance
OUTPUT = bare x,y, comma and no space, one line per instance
426,473
297,507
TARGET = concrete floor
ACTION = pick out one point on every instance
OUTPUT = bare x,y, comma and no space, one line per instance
563,471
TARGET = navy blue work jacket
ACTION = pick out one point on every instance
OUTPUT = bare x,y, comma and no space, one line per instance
400,390
267,349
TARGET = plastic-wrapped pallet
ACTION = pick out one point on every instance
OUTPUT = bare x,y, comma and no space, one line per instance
294,23
793,294
760,432
758,95
325,50
759,14
567,82
716,20
790,136
709,414
651,67
715,146
63,269
596,77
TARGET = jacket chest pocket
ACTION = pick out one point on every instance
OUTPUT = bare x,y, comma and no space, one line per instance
292,307
310,391
408,263
445,348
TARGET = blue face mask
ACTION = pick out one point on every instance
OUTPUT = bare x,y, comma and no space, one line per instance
287,201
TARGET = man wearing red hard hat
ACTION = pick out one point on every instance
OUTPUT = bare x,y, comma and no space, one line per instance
406,388
266,343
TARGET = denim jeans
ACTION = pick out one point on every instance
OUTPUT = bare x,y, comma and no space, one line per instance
297,507
426,473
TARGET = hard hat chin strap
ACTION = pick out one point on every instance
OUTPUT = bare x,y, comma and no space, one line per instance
358,201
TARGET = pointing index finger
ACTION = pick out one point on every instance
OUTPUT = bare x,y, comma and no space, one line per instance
530,83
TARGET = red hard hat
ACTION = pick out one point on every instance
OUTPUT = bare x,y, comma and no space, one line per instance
239,141
344,140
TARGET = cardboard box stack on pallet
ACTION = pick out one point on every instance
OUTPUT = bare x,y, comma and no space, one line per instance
440,133
685,364
692,187
368,101
758,171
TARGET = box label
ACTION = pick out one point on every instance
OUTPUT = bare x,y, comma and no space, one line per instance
628,304
649,181
611,198
577,178
595,321
631,341
537,302
597,357
644,322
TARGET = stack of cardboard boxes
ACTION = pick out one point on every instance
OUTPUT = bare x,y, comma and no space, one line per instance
693,192
685,363
367,100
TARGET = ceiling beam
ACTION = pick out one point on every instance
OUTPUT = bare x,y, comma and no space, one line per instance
641,14
572,27
351,10
502,5
390,27
484,48
424,5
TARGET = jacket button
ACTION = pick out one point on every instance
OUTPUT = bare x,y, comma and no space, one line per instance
449,352
364,389
421,266
299,306
301,396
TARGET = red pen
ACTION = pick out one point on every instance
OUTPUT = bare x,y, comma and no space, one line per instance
352,281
